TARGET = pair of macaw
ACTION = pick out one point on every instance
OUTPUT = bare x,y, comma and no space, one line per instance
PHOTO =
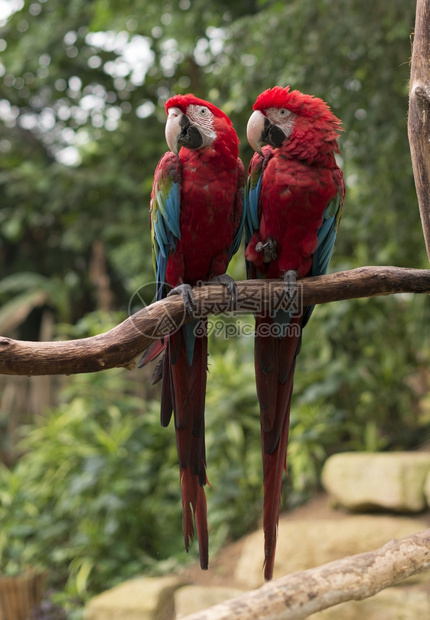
290,210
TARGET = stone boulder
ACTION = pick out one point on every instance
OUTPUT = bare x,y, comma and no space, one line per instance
312,542
391,481
191,599
427,489
144,598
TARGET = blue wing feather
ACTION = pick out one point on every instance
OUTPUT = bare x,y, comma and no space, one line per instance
253,220
165,216
326,240
239,207
326,237
251,200
251,204
238,236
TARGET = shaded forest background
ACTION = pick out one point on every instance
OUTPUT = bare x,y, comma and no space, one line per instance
82,87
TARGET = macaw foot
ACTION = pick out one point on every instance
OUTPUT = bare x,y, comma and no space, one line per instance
230,285
290,282
186,292
269,250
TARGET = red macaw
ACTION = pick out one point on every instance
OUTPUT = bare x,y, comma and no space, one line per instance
196,223
293,200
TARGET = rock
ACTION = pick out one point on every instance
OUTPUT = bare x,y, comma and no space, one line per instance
427,489
398,603
143,598
308,543
191,599
390,481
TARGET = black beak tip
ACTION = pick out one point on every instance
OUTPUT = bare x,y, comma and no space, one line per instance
190,136
272,134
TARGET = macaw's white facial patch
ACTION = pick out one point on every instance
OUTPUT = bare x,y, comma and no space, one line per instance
282,118
202,118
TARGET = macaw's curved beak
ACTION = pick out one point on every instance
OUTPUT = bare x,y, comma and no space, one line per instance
173,128
181,132
261,131
255,129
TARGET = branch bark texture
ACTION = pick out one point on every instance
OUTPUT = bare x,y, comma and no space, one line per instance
419,114
356,577
121,345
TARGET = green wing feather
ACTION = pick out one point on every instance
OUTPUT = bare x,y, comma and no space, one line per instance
165,215
326,240
252,197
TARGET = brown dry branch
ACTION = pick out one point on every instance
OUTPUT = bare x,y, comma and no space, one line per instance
419,114
355,577
122,344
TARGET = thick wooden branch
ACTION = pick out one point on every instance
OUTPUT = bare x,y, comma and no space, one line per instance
356,577
122,344
419,114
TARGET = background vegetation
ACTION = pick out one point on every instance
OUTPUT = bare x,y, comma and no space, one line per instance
94,495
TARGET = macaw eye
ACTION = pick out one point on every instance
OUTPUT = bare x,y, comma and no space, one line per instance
283,112
203,110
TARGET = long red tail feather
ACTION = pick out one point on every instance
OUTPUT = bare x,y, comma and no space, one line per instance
274,368
185,391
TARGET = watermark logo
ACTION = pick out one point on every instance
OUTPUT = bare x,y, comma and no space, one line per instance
154,320
223,329
278,299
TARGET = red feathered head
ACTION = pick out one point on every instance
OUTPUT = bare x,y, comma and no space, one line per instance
295,101
302,124
195,124
183,101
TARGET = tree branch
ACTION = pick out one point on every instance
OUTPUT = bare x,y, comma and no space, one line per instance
122,344
356,577
419,114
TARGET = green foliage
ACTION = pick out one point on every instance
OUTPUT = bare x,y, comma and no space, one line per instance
23,292
367,376
95,496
